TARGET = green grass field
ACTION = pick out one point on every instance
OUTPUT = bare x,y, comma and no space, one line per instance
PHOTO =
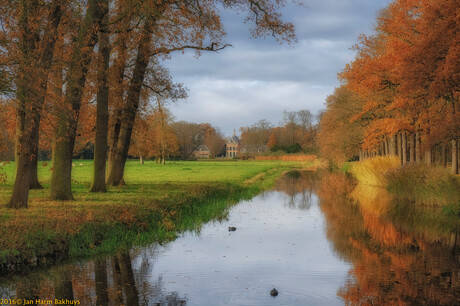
157,202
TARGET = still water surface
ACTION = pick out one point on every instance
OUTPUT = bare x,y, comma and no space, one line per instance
305,238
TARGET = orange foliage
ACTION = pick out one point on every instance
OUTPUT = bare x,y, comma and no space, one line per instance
408,73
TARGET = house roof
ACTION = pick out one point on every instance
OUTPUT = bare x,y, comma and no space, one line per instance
201,148
234,138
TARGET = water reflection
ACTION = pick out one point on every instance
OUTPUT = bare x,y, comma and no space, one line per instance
393,263
104,281
297,188
317,238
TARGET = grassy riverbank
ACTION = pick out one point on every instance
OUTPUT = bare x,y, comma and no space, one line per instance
412,183
157,203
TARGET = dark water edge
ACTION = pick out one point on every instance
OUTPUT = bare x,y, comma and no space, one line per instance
308,237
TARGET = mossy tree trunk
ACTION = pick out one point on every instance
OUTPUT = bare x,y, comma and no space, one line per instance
60,188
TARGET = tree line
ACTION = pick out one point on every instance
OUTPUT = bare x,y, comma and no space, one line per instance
59,58
400,95
296,133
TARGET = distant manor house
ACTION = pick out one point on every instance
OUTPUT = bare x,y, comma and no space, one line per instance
232,147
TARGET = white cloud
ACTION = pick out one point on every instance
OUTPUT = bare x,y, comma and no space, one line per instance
230,104
258,79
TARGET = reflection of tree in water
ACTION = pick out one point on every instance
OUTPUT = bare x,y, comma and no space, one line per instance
153,293
391,264
298,186
104,281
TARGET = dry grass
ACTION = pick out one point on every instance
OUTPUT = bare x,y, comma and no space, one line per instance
372,171
425,185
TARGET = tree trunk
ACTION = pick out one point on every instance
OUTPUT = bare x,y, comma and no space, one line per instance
31,96
386,146
428,156
120,153
404,147
34,183
454,156
22,182
412,148
418,157
102,116
60,187
113,142
399,145
392,145
443,155
119,67
382,149
141,159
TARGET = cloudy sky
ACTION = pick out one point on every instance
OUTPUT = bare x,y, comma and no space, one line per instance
259,78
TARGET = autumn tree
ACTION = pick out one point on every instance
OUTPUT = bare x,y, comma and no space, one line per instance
215,141
32,28
256,134
189,135
271,141
102,98
404,73
60,187
339,137
175,27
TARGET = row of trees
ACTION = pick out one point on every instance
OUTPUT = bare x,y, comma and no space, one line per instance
155,135
400,95
296,133
59,58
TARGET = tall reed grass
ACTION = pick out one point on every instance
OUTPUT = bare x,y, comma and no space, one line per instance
373,171
417,183
424,185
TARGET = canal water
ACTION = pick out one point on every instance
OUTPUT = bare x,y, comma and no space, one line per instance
313,237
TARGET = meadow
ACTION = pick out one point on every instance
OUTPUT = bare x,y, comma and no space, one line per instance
157,202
